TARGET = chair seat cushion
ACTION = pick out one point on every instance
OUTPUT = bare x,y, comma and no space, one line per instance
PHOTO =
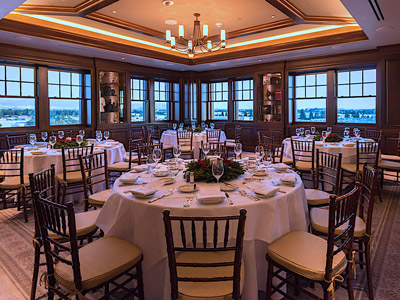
14,182
317,197
100,261
288,161
72,177
85,224
122,166
168,147
134,158
98,199
352,168
303,165
389,165
206,290
390,157
186,149
319,221
305,254
230,144
230,141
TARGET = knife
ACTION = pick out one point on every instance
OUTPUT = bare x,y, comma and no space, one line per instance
229,199
162,196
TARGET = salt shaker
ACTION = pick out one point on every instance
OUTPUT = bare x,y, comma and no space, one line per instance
191,177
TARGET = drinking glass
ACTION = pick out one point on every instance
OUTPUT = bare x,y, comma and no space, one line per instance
32,139
44,136
302,131
252,166
357,132
203,125
79,139
173,169
346,133
151,163
267,159
212,125
206,148
82,133
307,133
174,126
218,169
177,151
106,135
238,150
324,134
313,129
298,131
348,129
99,136
193,126
181,126
52,141
259,153
60,134
206,126
329,130
157,154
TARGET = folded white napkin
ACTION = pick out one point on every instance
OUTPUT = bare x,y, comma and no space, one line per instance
214,197
38,152
142,191
291,178
128,178
262,188
139,168
280,167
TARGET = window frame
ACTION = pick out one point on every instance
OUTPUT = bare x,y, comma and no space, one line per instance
144,101
171,84
235,101
210,101
35,82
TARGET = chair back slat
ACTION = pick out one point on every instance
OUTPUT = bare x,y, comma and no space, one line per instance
369,184
206,245
16,140
213,135
185,138
12,164
70,158
328,172
367,152
147,149
376,135
303,151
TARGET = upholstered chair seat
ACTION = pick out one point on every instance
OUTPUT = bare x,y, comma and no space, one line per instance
98,199
317,197
14,182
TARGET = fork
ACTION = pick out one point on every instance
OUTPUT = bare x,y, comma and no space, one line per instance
244,193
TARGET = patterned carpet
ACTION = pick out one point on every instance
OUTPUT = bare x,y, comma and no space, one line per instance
16,259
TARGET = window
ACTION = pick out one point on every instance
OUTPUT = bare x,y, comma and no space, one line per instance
218,101
204,101
138,99
17,96
176,101
66,96
356,96
161,100
309,95
243,100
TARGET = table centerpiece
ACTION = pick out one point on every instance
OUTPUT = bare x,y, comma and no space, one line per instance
202,170
69,142
196,130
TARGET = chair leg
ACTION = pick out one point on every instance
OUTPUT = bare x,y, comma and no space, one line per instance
268,291
18,201
107,291
350,282
327,295
25,207
360,254
378,189
3,198
369,271
140,281
35,270
297,283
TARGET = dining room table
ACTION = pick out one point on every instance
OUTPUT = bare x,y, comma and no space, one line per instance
169,138
140,221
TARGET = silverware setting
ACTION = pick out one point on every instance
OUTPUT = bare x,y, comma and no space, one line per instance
229,199
245,194
188,201
162,196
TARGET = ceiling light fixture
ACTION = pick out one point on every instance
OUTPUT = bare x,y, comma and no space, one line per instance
199,43
168,3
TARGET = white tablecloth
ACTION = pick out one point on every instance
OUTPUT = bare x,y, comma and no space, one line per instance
141,223
169,138
349,154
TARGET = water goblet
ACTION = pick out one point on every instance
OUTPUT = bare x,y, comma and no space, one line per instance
356,132
60,134
177,151
99,136
173,169
346,133
52,141
302,131
313,130
217,169
79,139
259,153
82,133
181,126
106,135
32,139
329,130
212,125
150,163
157,154
238,150
174,126
252,166
298,132
307,133
206,148
324,134
44,136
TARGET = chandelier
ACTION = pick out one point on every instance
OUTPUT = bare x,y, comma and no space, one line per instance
199,42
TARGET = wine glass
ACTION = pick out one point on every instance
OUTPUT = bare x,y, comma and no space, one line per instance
106,135
174,126
79,139
252,166
60,134
329,130
177,151
99,136
203,125
298,132
32,139
324,134
151,163
181,126
82,133
52,141
238,150
267,159
307,133
212,125
346,133
356,132
206,126
259,153
302,131
313,129
157,154
173,169
193,126
206,148
217,169
44,136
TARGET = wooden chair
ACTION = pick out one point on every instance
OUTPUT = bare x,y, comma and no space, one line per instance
155,134
93,266
260,136
213,136
17,140
303,156
230,143
277,151
70,180
363,223
94,172
14,184
390,157
376,135
220,261
277,135
185,140
44,184
313,258
326,179
117,169
145,150
216,149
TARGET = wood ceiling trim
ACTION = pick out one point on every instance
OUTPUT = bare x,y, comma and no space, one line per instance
329,20
91,6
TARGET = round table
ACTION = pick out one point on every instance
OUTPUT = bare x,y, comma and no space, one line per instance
349,154
169,138
141,223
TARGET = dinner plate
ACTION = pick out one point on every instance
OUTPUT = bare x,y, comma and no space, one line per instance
187,188
38,153
161,173
166,180
261,173
228,188
143,196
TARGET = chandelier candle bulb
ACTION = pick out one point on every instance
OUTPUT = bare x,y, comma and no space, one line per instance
209,45
223,35
190,44
168,35
173,42
181,31
205,30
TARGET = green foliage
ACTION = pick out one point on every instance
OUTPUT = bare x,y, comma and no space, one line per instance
69,143
317,136
196,130
203,172
333,138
